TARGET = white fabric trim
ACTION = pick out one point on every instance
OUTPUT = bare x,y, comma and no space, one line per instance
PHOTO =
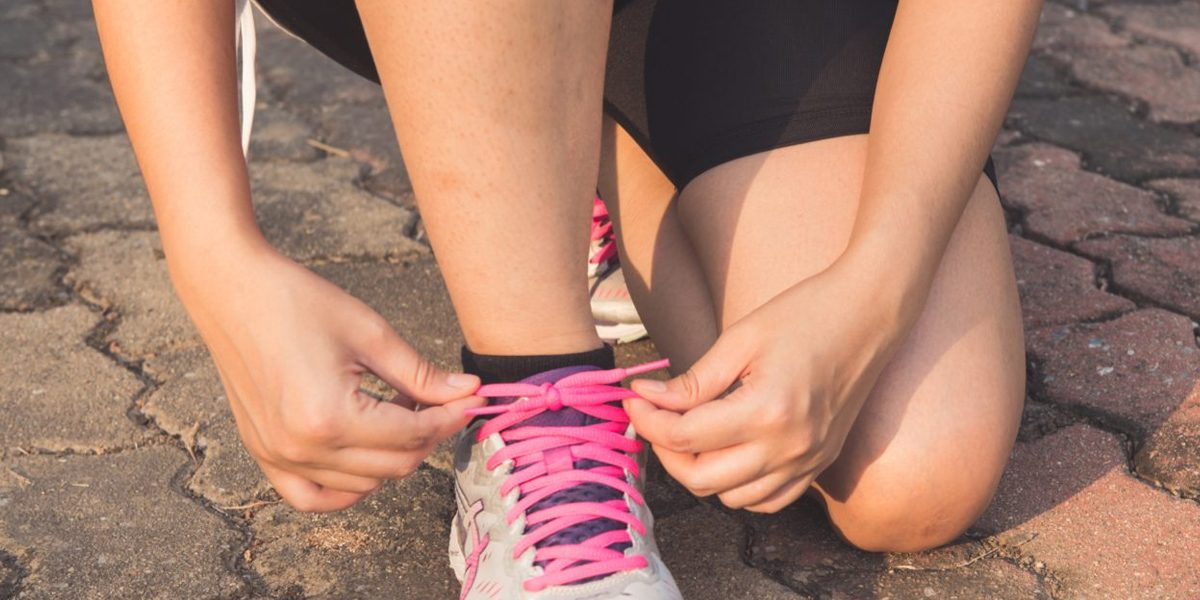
247,46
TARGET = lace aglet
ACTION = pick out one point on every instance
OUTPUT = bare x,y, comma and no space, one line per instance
647,367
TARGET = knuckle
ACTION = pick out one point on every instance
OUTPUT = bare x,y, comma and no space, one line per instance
407,467
679,439
691,384
315,426
290,452
422,374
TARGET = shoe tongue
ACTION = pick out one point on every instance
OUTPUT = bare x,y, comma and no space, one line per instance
566,417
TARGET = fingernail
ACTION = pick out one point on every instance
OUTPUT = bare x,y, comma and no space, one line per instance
462,381
653,386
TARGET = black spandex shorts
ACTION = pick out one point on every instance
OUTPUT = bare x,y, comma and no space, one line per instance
698,83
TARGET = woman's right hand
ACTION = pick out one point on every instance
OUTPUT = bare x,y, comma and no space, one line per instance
291,349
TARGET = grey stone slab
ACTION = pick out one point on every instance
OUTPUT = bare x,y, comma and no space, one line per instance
56,393
302,78
112,526
28,268
190,403
392,544
703,549
281,135
57,92
314,211
412,297
83,183
126,271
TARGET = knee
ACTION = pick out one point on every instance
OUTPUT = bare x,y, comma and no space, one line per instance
907,522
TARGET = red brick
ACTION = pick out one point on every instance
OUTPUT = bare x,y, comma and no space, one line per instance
1143,370
1064,203
1057,287
799,544
1069,503
1175,24
1154,75
1185,192
1140,368
1165,271
1062,28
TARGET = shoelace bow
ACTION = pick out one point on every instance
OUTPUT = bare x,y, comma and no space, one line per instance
602,234
544,464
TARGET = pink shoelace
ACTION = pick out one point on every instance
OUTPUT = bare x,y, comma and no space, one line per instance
602,234
544,463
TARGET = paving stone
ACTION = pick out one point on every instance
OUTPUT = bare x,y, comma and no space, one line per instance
412,297
28,268
1062,28
1177,24
1112,139
798,545
87,182
1140,370
1063,203
1057,287
302,78
98,527
391,544
25,32
56,392
1185,192
1162,270
314,211
702,547
280,135
1067,501
126,271
1041,79
191,404
1157,76
59,91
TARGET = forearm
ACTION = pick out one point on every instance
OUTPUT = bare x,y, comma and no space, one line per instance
948,75
172,66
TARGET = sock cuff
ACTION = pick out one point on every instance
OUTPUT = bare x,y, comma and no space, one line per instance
508,369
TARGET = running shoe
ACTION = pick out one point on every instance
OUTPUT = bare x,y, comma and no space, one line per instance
549,494
617,319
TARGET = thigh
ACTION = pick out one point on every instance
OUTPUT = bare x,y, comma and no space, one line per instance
931,442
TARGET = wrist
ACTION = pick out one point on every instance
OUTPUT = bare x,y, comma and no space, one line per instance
893,279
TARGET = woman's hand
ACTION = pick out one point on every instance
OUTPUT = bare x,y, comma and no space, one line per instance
291,350
800,368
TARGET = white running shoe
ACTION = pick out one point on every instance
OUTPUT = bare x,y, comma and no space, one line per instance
549,494
617,319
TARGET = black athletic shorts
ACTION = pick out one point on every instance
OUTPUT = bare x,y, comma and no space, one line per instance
698,83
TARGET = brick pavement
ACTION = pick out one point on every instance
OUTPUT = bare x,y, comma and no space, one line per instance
121,474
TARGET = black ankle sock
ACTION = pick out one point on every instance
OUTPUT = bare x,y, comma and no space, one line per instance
507,369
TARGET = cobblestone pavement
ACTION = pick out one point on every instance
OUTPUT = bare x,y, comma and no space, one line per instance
121,475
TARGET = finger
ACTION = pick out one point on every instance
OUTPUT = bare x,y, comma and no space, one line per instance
306,496
786,495
656,425
722,470
387,426
722,423
376,464
389,357
708,378
757,491
678,464
337,480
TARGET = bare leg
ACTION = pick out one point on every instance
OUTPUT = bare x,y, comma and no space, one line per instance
496,105
931,441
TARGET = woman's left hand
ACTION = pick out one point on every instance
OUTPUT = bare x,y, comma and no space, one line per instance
769,406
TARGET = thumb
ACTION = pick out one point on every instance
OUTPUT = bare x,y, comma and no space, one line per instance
390,358
715,372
